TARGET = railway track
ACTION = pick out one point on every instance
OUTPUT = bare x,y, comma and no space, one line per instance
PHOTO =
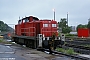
78,42
77,57
78,48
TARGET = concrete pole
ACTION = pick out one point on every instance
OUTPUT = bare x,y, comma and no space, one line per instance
67,18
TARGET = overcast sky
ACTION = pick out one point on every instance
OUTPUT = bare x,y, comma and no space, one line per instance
79,10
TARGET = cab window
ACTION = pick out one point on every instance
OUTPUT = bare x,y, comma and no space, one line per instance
53,25
25,20
45,25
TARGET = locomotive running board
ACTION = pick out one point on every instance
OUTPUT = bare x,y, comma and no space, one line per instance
25,37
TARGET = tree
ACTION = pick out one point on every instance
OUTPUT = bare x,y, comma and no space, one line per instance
63,26
4,26
81,26
66,30
62,23
88,25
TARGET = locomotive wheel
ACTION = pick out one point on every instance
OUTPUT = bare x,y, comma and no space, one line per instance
45,44
26,42
40,49
27,45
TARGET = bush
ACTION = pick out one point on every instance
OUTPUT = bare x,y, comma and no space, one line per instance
59,34
1,40
70,51
69,35
60,49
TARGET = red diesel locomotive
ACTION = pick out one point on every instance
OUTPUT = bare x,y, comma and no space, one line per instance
35,33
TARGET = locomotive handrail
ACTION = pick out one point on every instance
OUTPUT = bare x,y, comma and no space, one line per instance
32,32
47,30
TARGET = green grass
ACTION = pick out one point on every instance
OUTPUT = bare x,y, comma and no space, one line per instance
86,45
60,50
70,35
69,51
59,34
4,41
1,40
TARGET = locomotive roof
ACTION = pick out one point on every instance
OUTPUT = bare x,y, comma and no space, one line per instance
45,20
32,17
